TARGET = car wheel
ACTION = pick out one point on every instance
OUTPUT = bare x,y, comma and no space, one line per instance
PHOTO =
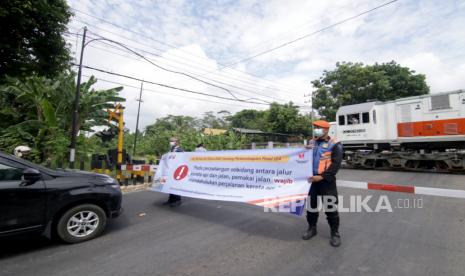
81,223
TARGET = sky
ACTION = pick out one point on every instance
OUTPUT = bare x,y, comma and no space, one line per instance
211,41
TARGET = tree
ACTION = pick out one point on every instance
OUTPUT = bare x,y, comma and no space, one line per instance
353,83
31,40
155,139
211,120
286,119
279,118
248,118
156,136
37,112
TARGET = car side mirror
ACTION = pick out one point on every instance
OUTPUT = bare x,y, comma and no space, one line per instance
30,176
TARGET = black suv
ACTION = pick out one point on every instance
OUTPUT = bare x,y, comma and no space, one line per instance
71,205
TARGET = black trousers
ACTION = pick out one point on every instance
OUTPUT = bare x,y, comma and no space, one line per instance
174,198
322,189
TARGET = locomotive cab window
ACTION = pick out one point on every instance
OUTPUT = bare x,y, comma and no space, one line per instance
342,120
365,117
353,119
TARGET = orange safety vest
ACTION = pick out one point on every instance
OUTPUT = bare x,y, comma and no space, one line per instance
322,151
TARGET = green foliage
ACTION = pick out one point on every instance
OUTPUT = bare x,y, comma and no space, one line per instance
31,40
279,118
155,139
248,118
286,119
157,135
352,83
38,114
36,111
210,120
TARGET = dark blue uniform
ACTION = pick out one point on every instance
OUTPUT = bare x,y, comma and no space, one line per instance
332,152
175,198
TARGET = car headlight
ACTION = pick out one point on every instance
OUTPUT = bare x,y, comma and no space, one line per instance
116,187
106,179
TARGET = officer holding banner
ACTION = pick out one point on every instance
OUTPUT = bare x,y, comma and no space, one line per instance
174,200
327,159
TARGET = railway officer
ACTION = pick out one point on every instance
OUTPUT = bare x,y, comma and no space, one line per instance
174,200
327,158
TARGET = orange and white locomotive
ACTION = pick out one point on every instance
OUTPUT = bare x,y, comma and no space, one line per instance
416,133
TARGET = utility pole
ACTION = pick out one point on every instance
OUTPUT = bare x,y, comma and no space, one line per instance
137,121
311,109
72,150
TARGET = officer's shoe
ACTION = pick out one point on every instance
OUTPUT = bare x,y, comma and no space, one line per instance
175,203
335,239
166,203
311,232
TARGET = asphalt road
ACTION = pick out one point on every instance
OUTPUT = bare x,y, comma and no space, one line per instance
432,180
219,238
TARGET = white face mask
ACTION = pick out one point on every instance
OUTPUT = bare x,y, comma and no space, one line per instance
318,132
172,144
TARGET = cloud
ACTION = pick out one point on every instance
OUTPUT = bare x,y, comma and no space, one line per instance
199,37
442,77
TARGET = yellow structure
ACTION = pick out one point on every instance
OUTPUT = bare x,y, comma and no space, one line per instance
214,131
116,115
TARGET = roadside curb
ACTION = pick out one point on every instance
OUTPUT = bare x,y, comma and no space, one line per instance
135,188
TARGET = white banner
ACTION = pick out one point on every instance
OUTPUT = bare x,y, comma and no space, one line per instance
265,177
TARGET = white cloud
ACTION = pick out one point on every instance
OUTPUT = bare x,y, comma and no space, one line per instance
427,36
442,77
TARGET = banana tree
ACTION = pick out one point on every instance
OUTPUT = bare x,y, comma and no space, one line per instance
44,109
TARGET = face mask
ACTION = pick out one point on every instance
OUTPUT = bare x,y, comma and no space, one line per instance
318,132
172,144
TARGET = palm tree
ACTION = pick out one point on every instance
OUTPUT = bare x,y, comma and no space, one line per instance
40,111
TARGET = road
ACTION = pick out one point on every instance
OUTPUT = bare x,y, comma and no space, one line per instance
220,238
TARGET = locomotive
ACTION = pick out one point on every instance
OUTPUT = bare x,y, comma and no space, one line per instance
420,133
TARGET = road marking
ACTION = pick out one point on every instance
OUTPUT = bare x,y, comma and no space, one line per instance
402,189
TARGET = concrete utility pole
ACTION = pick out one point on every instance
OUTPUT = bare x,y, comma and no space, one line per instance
137,121
311,109
72,150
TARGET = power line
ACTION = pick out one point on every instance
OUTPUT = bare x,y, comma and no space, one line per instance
133,58
168,86
190,64
218,81
308,35
294,31
163,85
164,93
213,80
171,46
161,67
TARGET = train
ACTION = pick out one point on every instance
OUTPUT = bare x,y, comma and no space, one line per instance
419,133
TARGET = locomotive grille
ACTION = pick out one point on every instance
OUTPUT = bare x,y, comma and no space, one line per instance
440,102
407,129
451,128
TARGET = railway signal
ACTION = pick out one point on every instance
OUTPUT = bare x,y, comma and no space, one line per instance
116,115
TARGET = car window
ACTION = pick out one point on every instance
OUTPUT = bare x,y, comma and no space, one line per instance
11,161
9,173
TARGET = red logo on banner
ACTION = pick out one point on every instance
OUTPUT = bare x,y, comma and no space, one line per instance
181,172
301,155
